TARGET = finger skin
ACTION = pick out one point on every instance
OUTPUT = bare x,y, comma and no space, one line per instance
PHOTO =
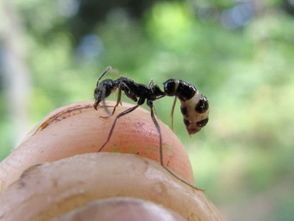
78,128
53,189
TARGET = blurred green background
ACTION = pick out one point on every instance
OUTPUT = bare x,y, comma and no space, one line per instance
240,54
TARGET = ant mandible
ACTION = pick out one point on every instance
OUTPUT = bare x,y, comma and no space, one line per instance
194,106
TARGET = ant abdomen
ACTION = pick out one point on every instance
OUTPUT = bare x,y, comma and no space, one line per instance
194,106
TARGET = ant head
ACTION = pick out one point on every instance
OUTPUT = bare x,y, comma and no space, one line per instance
103,90
170,87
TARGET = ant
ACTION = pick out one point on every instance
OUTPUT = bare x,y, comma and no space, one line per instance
194,106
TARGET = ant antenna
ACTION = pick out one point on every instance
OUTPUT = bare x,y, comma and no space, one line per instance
107,69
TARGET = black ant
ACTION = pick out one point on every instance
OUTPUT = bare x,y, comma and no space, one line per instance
194,106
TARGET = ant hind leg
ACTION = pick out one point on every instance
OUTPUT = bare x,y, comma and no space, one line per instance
172,113
150,104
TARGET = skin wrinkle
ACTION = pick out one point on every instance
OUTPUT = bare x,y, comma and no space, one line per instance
62,203
68,195
62,115
78,109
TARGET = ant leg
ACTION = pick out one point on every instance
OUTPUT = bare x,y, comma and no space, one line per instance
118,101
172,113
150,104
151,84
105,106
114,123
96,105
102,98
122,87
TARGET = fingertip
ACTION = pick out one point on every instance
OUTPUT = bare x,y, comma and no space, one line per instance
78,128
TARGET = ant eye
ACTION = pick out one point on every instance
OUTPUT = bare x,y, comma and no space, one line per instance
169,87
202,105
202,123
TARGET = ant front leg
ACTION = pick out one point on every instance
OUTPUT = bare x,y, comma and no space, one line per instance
121,87
102,98
118,101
